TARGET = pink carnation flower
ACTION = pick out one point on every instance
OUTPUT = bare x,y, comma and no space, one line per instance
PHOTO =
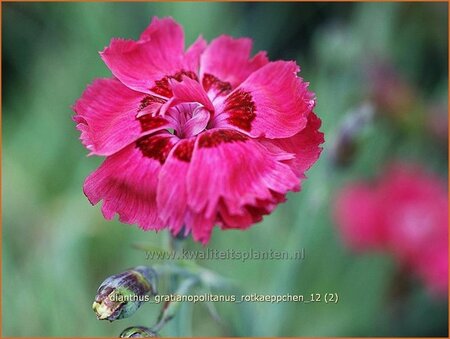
196,138
406,213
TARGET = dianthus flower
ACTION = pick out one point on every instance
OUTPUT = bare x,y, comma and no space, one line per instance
196,138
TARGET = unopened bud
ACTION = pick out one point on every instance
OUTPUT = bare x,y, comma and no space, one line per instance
120,295
352,128
138,332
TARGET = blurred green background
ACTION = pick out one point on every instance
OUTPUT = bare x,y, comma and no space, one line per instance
57,249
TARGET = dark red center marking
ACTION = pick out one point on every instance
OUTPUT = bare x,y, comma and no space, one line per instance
156,147
184,150
148,100
213,139
149,122
211,82
162,86
241,110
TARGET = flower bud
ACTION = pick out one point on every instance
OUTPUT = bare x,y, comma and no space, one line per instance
345,147
120,295
138,332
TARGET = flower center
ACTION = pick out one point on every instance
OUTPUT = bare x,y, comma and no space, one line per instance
188,119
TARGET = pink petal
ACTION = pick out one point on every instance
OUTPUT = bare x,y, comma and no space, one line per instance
106,116
273,103
305,145
172,194
167,31
200,225
194,52
228,165
188,90
356,212
159,53
197,123
151,104
127,182
188,119
433,268
415,211
228,60
249,215
242,220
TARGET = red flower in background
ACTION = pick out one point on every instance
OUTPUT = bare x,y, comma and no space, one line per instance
196,138
405,212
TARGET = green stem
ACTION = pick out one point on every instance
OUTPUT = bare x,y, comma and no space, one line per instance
176,286
170,308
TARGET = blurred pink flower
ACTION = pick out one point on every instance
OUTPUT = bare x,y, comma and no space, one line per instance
405,213
195,138
357,216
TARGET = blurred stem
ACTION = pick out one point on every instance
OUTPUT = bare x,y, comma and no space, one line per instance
170,309
182,275
190,269
175,287
176,243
